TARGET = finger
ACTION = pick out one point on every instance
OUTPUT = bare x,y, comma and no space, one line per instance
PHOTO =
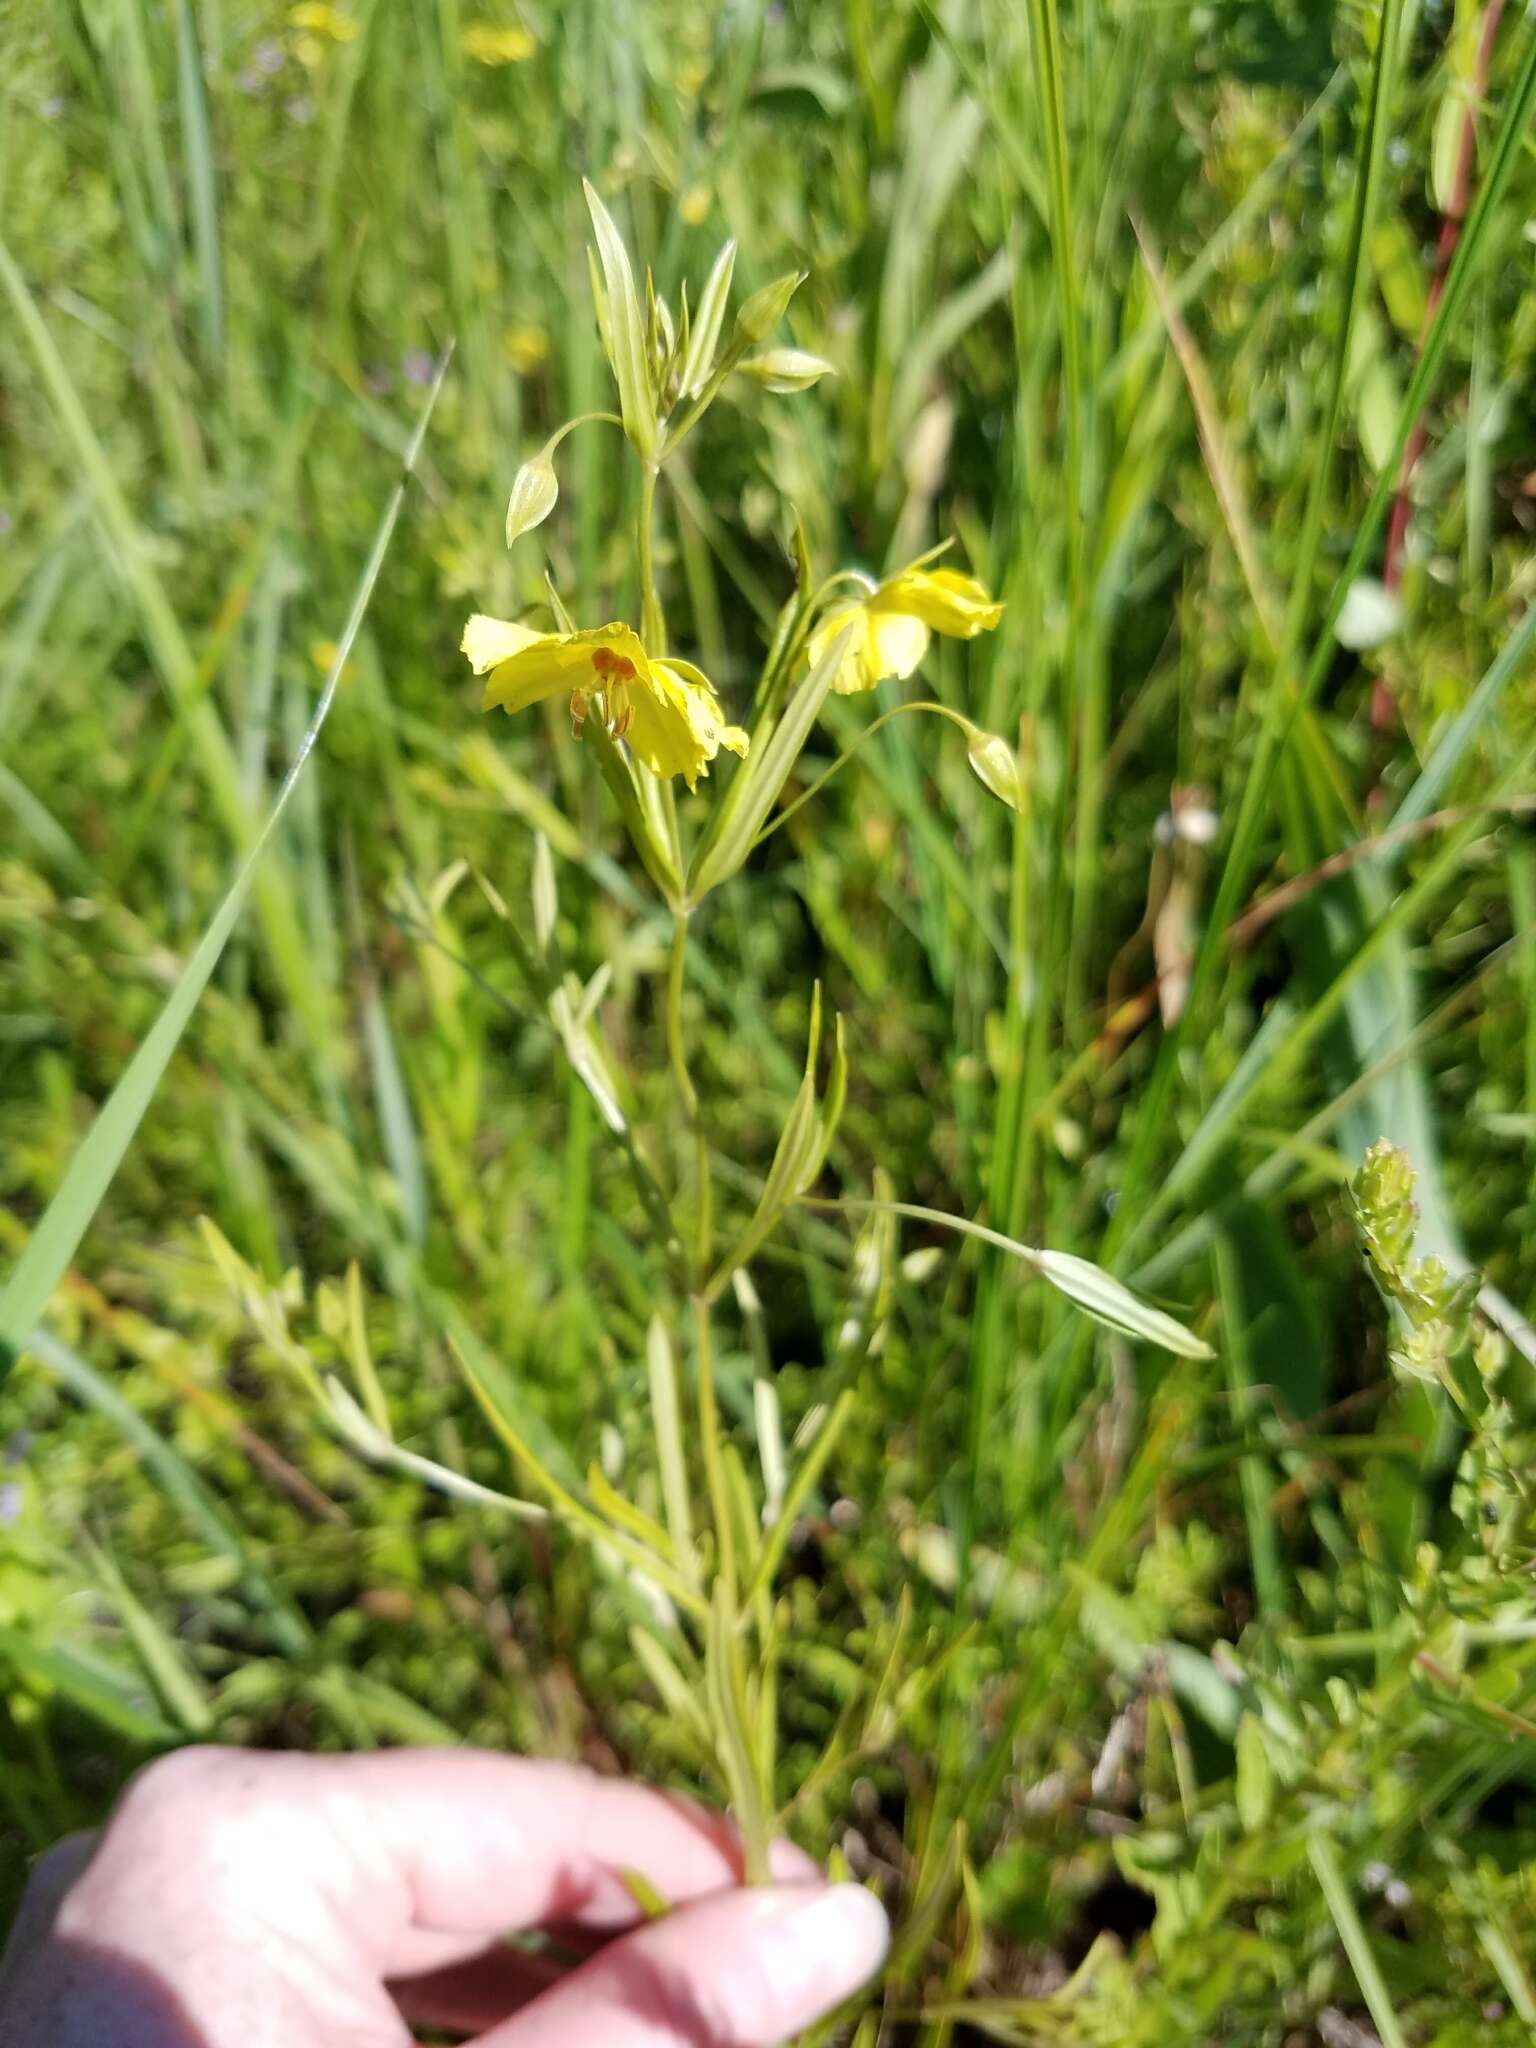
489,1844
472,1996
414,1858
747,1969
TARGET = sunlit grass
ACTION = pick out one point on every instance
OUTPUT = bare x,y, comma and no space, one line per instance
1143,1622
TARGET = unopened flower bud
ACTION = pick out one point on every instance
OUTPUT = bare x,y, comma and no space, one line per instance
786,369
997,766
534,491
761,313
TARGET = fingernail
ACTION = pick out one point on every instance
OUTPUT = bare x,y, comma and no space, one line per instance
828,1940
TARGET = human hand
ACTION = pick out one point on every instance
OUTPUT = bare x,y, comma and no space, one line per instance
240,1900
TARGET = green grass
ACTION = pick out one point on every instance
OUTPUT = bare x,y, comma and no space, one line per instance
1163,1698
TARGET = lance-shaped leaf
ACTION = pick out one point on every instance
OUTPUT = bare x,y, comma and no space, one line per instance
1111,1302
758,784
1098,1293
667,1427
802,1147
626,329
704,334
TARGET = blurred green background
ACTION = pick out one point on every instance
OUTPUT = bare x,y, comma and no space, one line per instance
1239,1726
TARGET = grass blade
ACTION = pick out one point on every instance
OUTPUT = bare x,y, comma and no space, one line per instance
1373,1988
197,145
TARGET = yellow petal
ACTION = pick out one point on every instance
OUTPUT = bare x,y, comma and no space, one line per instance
487,641
552,662
661,729
680,689
701,705
895,645
850,675
528,678
942,598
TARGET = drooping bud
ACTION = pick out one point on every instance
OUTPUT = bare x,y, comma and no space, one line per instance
534,491
996,766
786,369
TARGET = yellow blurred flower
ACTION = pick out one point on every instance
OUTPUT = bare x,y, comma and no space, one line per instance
323,654
489,43
525,347
667,709
694,205
892,626
322,20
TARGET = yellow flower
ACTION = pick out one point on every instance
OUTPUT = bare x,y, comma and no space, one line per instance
667,709
892,626
525,347
323,654
488,43
323,20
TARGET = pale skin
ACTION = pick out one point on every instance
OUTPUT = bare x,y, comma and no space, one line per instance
237,1900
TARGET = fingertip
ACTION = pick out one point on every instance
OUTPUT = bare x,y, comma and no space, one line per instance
743,1969
788,1863
848,1934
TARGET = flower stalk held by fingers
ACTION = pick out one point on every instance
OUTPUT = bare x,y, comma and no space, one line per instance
890,626
665,708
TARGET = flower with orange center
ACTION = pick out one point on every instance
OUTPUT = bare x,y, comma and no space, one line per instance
665,708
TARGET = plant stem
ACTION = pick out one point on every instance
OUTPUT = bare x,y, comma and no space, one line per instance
677,1058
1356,1942
653,625
582,419
675,1052
709,1447
896,711
656,795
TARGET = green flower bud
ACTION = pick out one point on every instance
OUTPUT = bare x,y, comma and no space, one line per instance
766,308
786,369
996,765
534,491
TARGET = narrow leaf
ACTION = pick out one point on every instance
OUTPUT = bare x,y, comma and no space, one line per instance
705,334
760,782
626,329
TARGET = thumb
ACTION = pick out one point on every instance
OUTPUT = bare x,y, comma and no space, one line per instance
744,1969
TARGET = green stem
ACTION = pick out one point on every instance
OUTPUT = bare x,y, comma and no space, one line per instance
653,626
1355,1941
896,711
676,1055
709,1446
582,419
675,434
656,794
688,1095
